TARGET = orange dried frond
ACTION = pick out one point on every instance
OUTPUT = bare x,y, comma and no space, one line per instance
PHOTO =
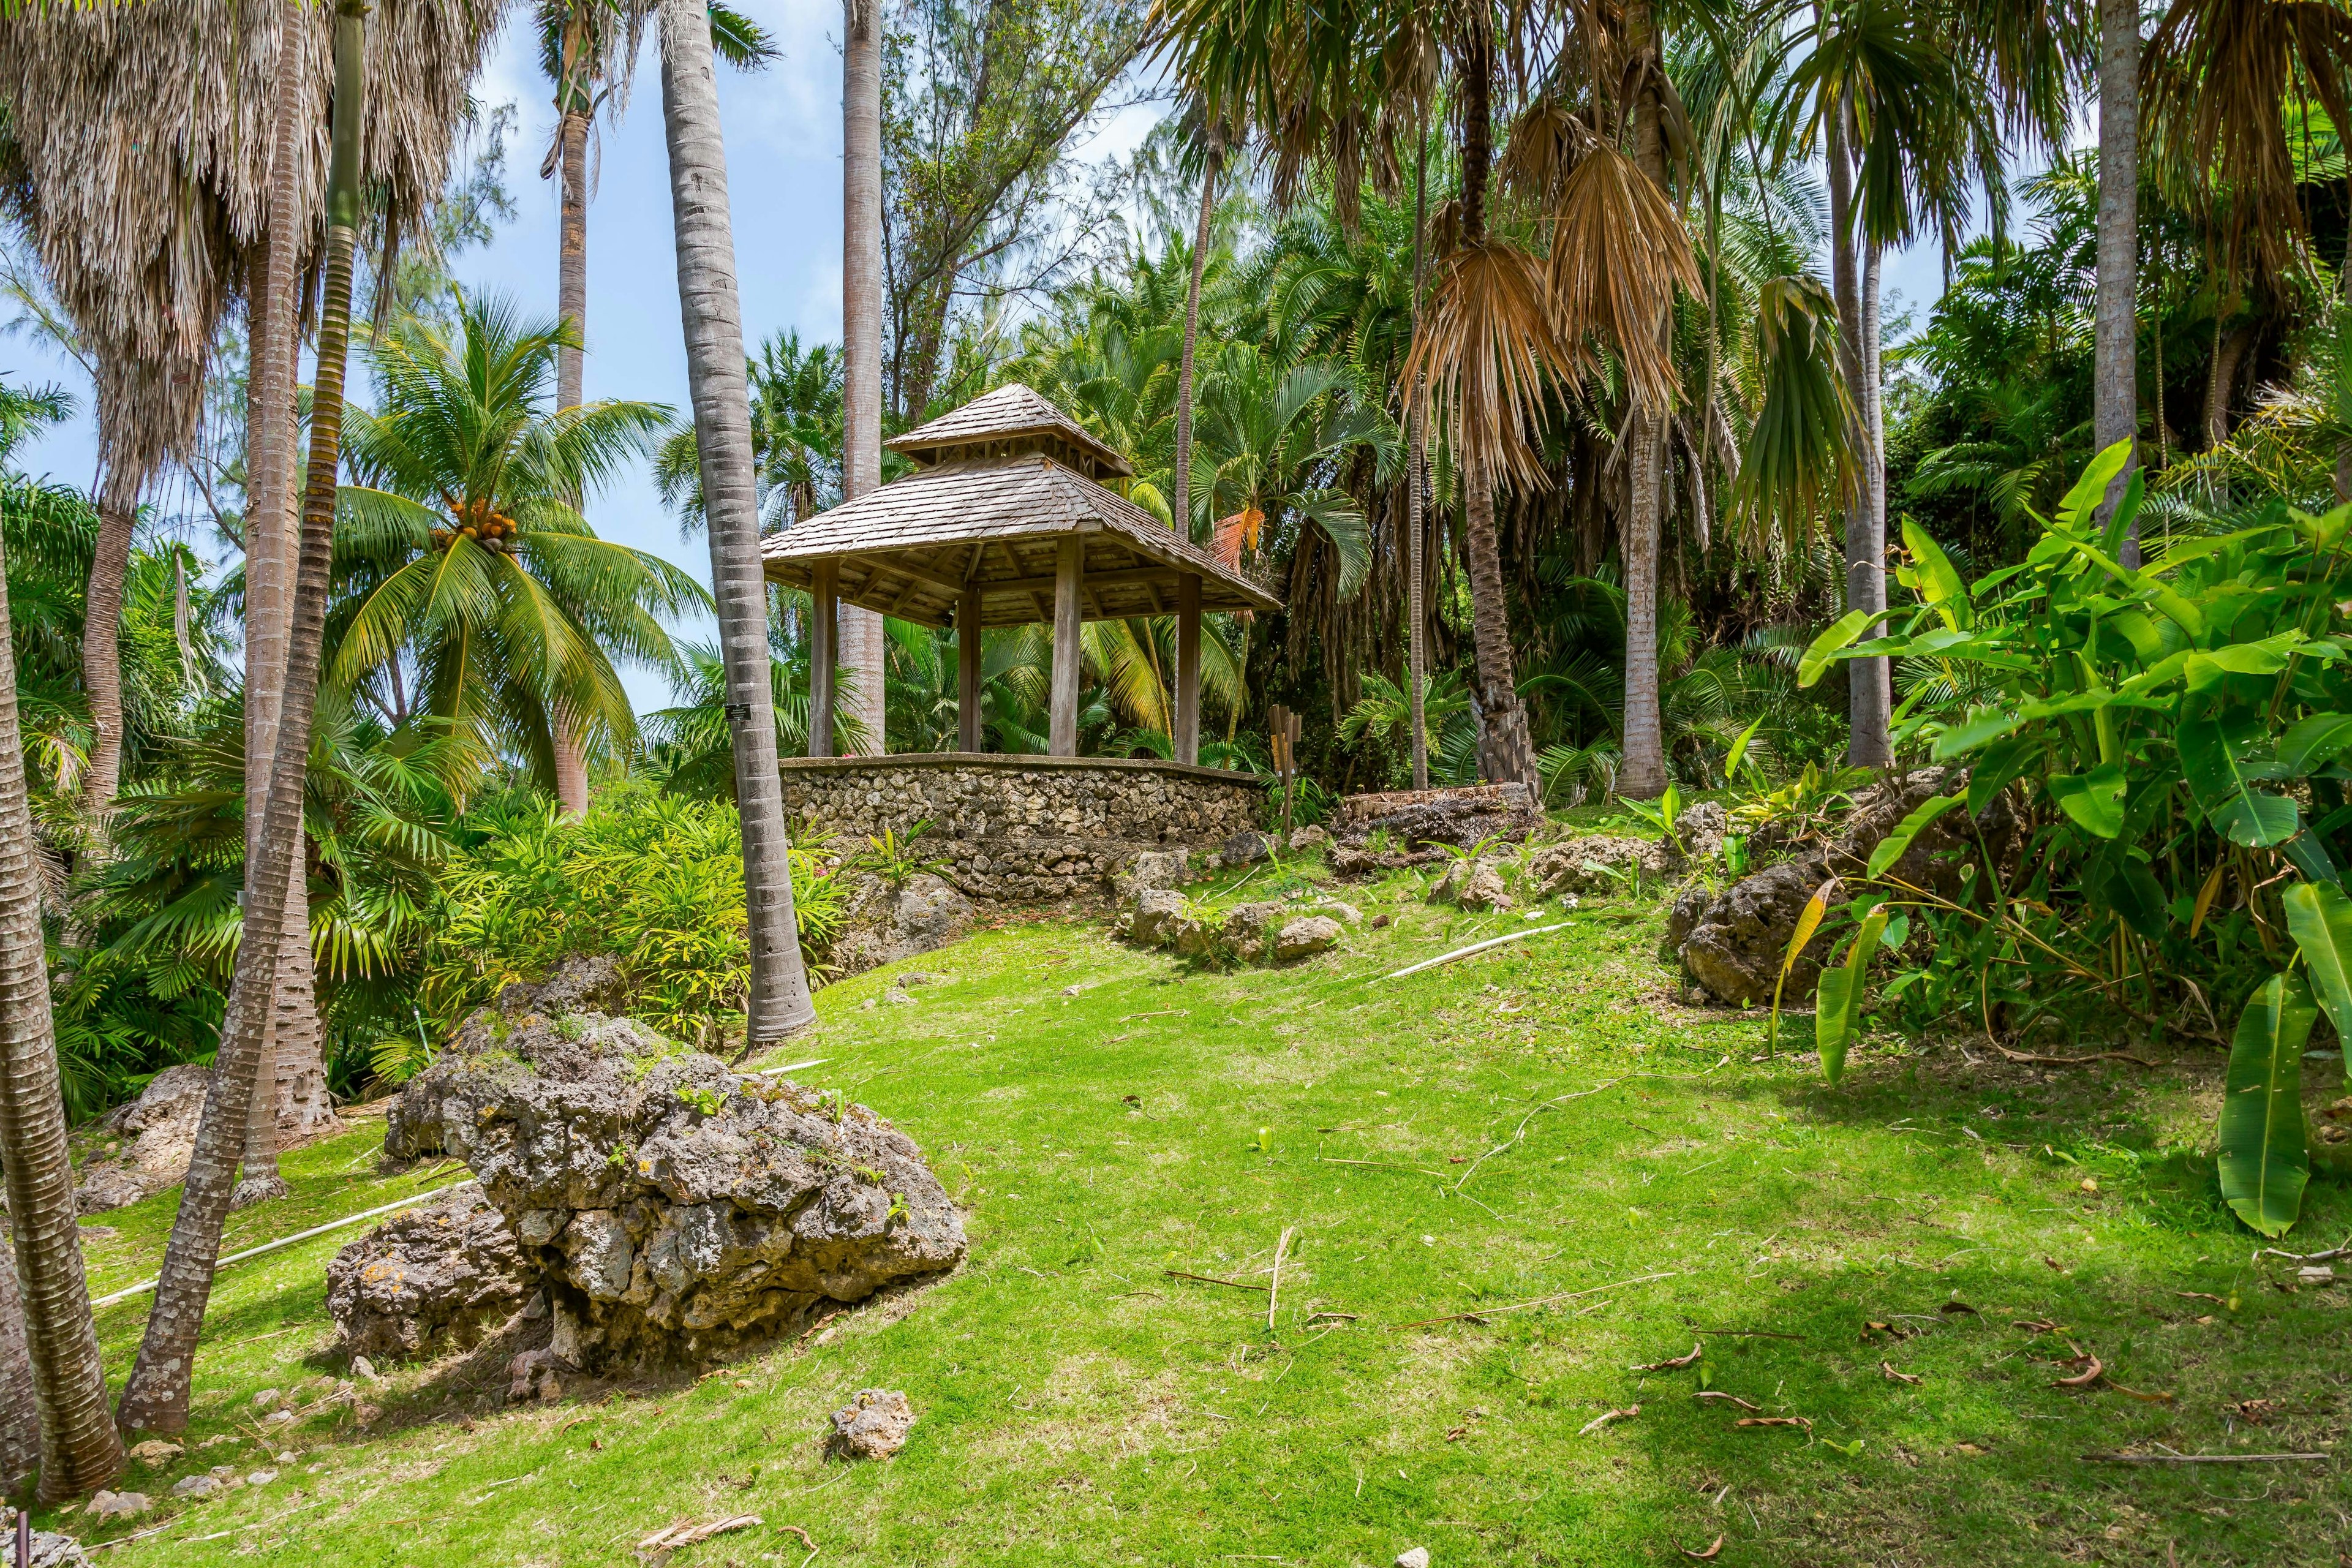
1488,343
1618,253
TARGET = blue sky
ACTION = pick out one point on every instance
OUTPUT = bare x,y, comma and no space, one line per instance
784,148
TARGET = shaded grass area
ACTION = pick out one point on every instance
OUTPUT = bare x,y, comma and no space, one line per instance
1547,1120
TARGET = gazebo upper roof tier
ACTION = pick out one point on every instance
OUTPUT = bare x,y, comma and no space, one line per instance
1011,418
993,520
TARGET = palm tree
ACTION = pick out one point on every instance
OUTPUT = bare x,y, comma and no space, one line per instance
466,559
1266,435
155,1398
861,635
2116,373
292,1073
589,49
1209,144
78,1443
714,340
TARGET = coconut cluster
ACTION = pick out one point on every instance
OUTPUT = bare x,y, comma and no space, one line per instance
480,521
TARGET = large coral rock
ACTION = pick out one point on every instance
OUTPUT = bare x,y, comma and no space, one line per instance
674,1209
1459,817
887,923
1599,866
1306,937
1152,919
159,1130
1733,943
431,1280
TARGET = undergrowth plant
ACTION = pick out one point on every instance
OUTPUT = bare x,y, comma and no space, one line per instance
2174,739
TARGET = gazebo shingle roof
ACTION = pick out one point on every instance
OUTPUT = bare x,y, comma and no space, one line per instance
1002,490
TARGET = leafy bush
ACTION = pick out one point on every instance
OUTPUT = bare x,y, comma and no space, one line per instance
2175,738
655,880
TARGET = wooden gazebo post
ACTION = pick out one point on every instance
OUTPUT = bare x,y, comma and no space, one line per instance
1068,558
824,623
1188,669
967,618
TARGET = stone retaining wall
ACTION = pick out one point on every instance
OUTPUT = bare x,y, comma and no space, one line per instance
1023,828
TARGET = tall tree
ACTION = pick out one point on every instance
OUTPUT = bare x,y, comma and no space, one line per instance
2115,375
156,1397
79,1448
862,645
1211,144
20,1415
589,49
292,1073
716,371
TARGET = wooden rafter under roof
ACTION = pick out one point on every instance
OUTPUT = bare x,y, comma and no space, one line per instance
1005,479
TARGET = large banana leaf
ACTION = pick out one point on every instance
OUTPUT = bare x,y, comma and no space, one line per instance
2247,816
2319,917
2264,1161
1837,1007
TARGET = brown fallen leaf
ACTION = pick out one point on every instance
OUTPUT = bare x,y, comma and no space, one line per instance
1458,1434
2034,1325
1605,1417
1892,1331
1726,1398
2202,1296
1957,1308
1970,1449
682,1533
2143,1397
1677,1364
2088,1376
2056,1264
1714,1548
1774,1421
1894,1376
2256,1412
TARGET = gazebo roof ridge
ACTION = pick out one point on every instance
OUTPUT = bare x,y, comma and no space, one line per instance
1006,419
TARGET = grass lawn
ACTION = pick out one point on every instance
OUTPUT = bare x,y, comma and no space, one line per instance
1545,1123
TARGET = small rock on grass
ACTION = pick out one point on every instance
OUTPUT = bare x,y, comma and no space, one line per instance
261,1478
50,1550
872,1426
196,1487
117,1505
1413,1557
155,1453
1305,938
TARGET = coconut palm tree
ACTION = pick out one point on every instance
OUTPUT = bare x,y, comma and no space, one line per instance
861,633
715,368
473,592
155,1398
20,1419
48,1322
589,50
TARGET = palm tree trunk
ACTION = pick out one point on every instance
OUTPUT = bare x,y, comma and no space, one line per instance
156,1397
1506,751
570,375
80,1449
1416,477
269,443
1179,482
20,1419
861,639
1643,772
101,658
2115,375
779,1001
1866,582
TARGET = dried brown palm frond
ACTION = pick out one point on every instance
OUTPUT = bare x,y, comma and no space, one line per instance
136,155
1545,142
1618,253
2216,80
1489,344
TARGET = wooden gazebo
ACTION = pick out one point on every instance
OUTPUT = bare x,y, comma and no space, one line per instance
1004,521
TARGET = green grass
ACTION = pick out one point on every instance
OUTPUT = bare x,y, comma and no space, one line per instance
1078,1404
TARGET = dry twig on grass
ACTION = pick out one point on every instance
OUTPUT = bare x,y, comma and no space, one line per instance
662,1542
1484,1312
1273,1289
1207,1279
1605,1417
1677,1363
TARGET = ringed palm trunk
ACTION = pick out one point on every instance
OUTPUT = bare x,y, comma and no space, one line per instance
861,635
779,1001
2115,414
1643,772
570,377
1505,750
1180,489
1868,693
156,1397
269,441
48,1293
20,1419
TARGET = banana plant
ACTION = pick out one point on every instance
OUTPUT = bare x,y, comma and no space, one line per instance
2175,741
